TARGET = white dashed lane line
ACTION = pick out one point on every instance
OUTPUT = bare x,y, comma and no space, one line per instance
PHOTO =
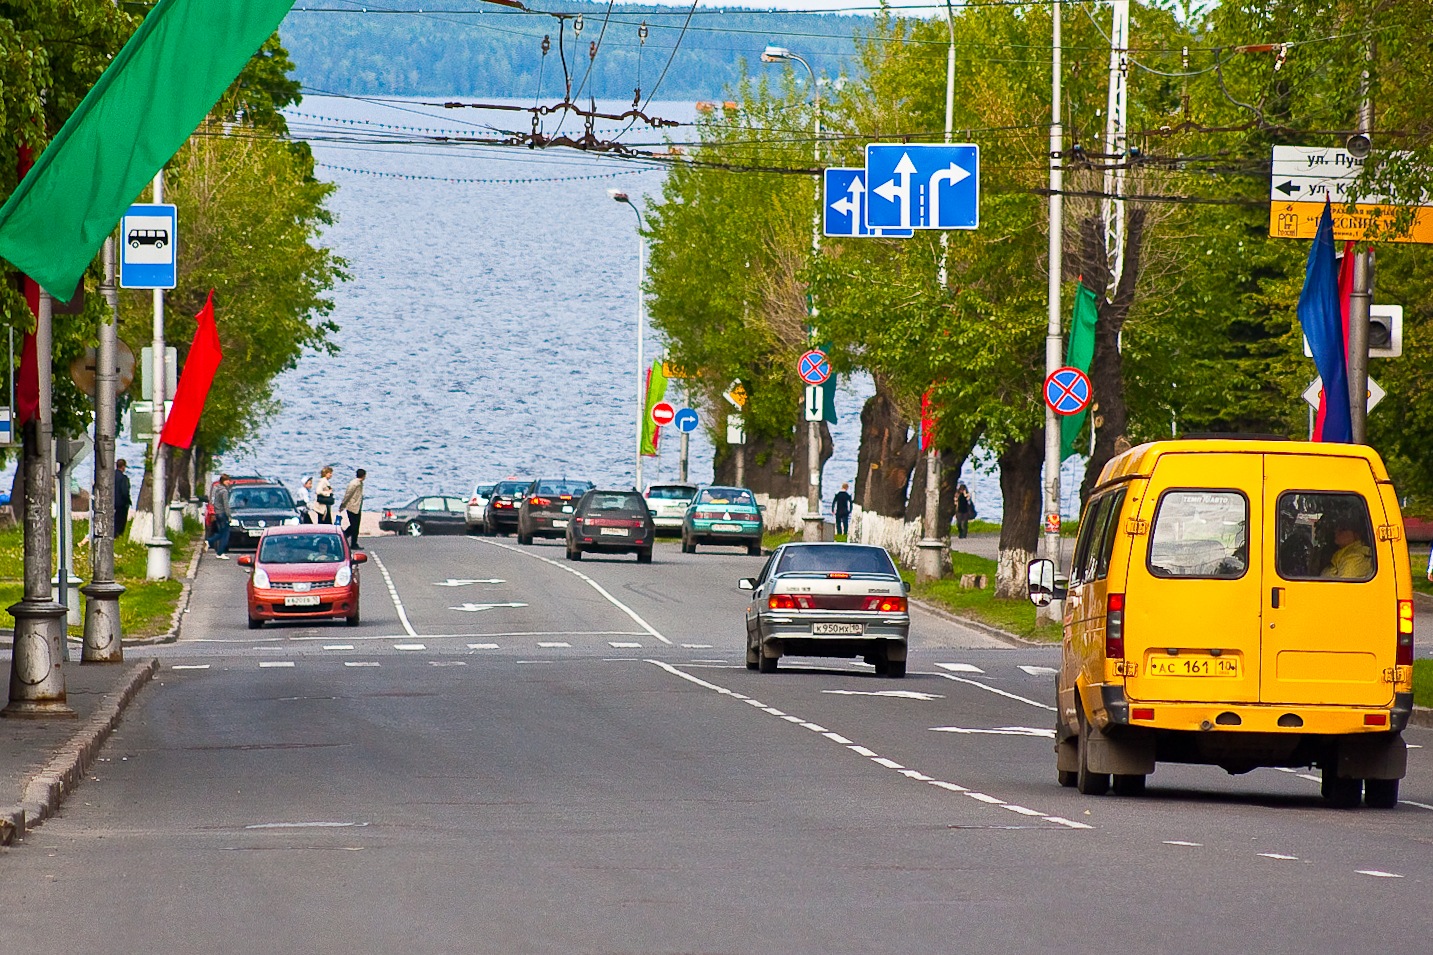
276,663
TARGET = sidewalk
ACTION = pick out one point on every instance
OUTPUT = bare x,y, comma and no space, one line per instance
41,761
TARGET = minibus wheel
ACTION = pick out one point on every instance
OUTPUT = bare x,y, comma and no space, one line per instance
1087,782
1380,793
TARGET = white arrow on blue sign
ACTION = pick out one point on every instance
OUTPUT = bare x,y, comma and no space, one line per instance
845,206
923,186
686,420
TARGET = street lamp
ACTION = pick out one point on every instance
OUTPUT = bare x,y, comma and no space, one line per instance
811,523
619,196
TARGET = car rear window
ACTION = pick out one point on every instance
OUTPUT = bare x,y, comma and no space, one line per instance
1323,536
276,498
835,558
509,488
557,488
1200,532
624,502
726,495
301,549
670,493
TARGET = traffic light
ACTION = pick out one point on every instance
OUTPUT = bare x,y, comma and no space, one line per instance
1385,331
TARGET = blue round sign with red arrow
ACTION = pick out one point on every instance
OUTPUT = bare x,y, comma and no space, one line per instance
1067,391
814,367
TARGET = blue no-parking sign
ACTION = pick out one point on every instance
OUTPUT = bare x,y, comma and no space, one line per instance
1067,391
814,368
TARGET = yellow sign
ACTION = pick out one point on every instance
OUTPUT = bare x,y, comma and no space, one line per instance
1300,220
670,370
736,394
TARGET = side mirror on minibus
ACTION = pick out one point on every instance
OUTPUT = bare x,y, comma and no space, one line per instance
1041,584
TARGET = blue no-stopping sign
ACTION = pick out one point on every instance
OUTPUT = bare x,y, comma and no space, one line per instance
1067,391
814,368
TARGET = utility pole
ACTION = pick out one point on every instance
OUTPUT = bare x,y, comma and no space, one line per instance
157,563
1054,330
1116,147
1361,295
37,678
103,643
930,553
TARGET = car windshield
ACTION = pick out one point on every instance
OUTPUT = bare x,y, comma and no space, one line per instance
301,549
269,498
835,559
621,502
670,492
509,488
558,488
727,495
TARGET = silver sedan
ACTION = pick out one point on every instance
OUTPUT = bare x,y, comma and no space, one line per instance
828,600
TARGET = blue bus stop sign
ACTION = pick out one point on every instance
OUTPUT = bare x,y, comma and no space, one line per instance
146,252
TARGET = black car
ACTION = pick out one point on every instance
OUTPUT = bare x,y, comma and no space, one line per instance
254,507
547,507
431,514
501,514
611,521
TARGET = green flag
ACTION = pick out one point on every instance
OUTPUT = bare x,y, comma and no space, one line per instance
1078,354
656,391
155,93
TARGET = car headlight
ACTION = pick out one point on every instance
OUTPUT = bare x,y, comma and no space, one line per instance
344,577
261,578
291,520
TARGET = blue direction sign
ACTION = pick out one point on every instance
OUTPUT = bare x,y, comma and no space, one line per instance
146,252
845,206
923,186
813,367
686,420
1067,391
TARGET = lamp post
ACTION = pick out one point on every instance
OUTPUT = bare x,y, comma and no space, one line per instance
619,196
811,523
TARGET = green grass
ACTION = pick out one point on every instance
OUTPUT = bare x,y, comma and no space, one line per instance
145,608
1423,682
1014,616
774,539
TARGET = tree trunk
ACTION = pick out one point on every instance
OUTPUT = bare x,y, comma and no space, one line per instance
774,467
952,462
886,456
1109,414
1023,498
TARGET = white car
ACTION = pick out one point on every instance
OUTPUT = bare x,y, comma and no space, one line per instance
477,507
668,504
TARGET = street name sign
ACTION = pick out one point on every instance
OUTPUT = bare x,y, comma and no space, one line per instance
923,185
844,207
1067,391
686,420
1315,391
813,367
147,242
1303,178
663,413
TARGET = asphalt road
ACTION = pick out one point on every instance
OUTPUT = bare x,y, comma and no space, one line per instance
515,754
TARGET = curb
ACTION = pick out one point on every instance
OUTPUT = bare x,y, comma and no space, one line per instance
1421,716
47,788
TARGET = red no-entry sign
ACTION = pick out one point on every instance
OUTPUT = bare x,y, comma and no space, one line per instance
663,413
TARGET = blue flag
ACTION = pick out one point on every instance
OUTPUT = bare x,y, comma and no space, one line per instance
1322,319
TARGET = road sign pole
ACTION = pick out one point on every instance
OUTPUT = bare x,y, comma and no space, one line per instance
682,464
103,643
157,562
1054,330
1358,300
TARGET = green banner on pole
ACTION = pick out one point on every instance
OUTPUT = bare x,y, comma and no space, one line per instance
1079,353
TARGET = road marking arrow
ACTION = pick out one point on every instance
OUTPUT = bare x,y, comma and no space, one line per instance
479,608
897,694
999,731
459,582
889,191
1038,671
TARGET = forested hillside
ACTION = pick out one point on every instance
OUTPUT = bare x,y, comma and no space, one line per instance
473,48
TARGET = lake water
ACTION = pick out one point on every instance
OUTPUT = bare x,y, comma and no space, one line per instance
489,328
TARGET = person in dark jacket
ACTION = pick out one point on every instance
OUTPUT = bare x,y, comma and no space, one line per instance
121,497
841,507
964,509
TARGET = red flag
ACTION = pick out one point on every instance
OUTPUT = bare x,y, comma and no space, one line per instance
27,391
927,420
193,390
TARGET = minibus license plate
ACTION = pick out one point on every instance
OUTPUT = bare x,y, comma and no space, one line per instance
838,629
309,601
1194,666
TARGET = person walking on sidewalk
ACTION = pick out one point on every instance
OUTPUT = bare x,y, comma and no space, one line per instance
352,505
964,510
219,540
841,507
121,498
323,497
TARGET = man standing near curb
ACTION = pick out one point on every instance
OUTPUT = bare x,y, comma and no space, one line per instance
121,498
352,504
841,507
219,540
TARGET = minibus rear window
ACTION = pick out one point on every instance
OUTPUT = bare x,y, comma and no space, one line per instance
1321,535
1200,532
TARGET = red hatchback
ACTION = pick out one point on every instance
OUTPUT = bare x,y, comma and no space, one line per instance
302,572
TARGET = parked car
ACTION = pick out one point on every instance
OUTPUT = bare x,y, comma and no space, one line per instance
254,508
477,508
547,507
430,514
723,515
302,573
501,514
828,600
668,503
613,522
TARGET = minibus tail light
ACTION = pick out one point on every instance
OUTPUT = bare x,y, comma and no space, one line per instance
1404,656
1115,627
